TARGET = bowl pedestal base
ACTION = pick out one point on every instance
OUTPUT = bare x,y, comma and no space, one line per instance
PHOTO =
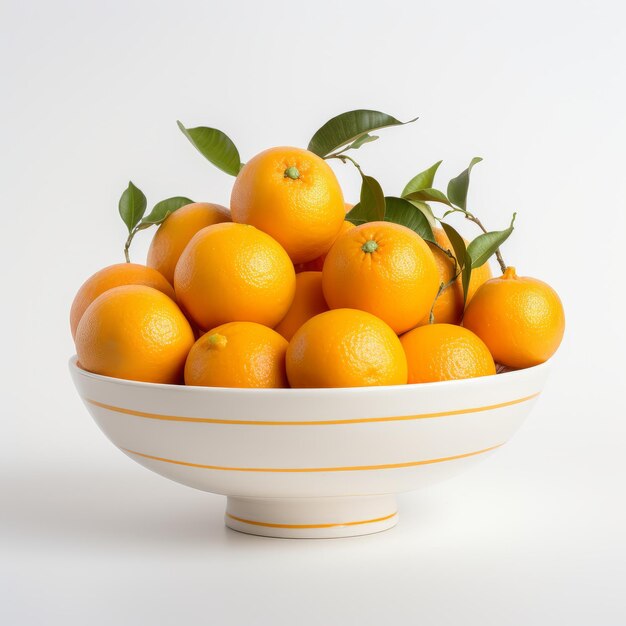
312,518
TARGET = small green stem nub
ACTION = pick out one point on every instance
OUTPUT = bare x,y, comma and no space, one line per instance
292,172
217,341
369,246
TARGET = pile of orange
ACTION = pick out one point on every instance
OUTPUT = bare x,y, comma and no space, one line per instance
282,291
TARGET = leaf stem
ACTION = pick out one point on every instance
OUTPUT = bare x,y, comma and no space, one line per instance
127,244
446,251
343,158
442,288
450,254
431,315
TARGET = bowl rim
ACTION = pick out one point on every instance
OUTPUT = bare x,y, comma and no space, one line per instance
318,391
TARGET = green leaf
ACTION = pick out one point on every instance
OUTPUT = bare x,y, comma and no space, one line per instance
363,139
371,208
426,210
357,215
463,259
401,211
349,127
481,249
423,180
457,187
372,201
458,245
162,210
214,145
132,206
427,195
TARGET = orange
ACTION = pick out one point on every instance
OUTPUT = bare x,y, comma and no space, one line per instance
385,269
520,319
134,332
345,348
234,273
176,232
445,352
115,276
449,306
308,301
293,195
238,354
316,265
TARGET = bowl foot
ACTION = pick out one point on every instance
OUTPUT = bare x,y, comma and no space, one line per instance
312,518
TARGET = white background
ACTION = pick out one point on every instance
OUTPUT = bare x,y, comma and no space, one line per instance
89,97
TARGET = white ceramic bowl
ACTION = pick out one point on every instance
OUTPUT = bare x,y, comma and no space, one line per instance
310,462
